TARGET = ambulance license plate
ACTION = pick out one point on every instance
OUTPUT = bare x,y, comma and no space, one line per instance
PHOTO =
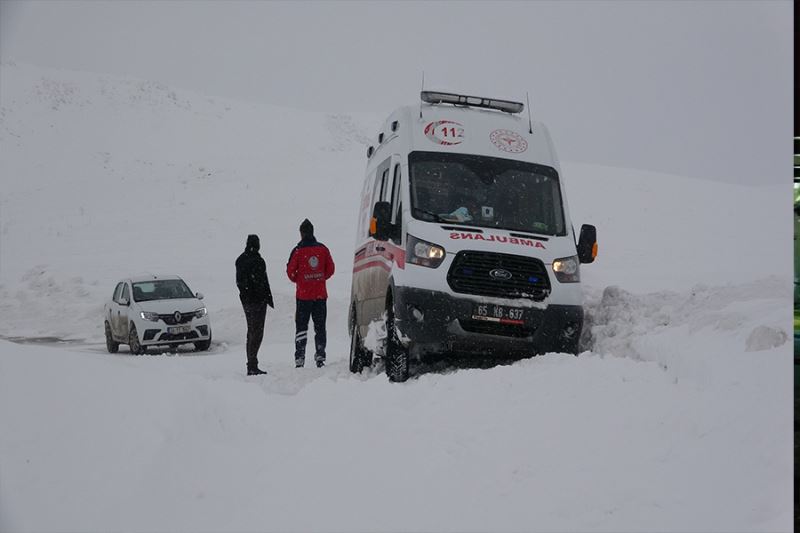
177,330
499,313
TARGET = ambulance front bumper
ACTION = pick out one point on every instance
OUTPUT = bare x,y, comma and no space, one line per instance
435,322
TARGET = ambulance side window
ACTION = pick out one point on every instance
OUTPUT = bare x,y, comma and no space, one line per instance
375,189
380,189
382,195
395,191
364,217
395,201
381,179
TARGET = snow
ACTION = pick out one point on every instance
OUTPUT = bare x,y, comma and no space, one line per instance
677,417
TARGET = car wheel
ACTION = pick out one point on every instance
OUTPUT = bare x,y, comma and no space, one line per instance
357,350
396,354
203,346
111,345
133,341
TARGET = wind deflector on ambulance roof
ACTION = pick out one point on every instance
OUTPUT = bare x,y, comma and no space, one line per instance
433,97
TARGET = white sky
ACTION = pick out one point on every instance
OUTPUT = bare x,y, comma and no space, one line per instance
695,88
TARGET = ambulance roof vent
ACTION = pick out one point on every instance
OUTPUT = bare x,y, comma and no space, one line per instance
507,106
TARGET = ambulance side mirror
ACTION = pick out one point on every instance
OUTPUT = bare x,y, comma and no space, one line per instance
587,244
381,224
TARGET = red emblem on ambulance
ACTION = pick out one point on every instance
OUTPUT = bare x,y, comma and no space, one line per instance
508,141
445,132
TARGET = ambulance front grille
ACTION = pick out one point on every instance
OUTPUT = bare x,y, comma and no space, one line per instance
515,276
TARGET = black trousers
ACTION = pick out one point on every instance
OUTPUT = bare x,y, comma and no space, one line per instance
317,310
255,313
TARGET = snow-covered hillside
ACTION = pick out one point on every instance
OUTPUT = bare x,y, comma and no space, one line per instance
677,417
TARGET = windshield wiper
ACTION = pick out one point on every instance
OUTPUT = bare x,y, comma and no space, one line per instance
436,217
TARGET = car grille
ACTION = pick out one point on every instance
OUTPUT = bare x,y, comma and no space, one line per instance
170,319
165,337
470,274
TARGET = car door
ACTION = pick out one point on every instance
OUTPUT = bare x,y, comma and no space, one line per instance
375,276
114,310
123,317
387,250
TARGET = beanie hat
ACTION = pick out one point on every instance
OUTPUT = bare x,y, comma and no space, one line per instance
307,228
253,243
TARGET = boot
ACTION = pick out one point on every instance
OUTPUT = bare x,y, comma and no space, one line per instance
255,371
320,363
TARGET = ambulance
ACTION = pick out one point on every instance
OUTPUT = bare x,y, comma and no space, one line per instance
464,242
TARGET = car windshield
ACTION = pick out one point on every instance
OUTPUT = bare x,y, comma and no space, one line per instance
485,191
164,289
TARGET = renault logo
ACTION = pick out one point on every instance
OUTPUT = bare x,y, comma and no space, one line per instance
501,274
177,316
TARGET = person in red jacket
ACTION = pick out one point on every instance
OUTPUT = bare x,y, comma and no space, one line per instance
310,265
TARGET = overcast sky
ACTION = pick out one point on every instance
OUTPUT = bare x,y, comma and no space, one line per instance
694,88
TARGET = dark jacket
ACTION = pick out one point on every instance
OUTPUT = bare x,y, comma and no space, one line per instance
251,278
310,265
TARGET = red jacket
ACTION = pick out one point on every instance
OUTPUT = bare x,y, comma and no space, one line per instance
310,264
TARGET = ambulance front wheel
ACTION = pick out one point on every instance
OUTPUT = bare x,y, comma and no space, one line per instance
396,353
359,355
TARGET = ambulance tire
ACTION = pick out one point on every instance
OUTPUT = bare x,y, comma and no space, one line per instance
396,353
357,350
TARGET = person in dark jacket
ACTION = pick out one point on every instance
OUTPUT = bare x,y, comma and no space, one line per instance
254,292
310,266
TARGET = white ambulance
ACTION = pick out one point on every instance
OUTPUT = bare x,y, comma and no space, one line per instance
464,241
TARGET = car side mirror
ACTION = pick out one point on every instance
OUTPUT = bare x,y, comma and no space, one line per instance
587,244
199,295
124,301
381,224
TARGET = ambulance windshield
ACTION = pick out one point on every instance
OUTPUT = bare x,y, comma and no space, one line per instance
482,191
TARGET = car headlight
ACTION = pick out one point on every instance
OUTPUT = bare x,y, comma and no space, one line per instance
567,269
424,253
147,315
200,313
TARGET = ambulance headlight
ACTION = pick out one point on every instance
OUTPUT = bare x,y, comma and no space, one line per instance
567,269
424,253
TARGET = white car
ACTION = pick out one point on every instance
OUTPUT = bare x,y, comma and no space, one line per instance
155,311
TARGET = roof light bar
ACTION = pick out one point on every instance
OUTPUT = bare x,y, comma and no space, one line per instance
432,97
